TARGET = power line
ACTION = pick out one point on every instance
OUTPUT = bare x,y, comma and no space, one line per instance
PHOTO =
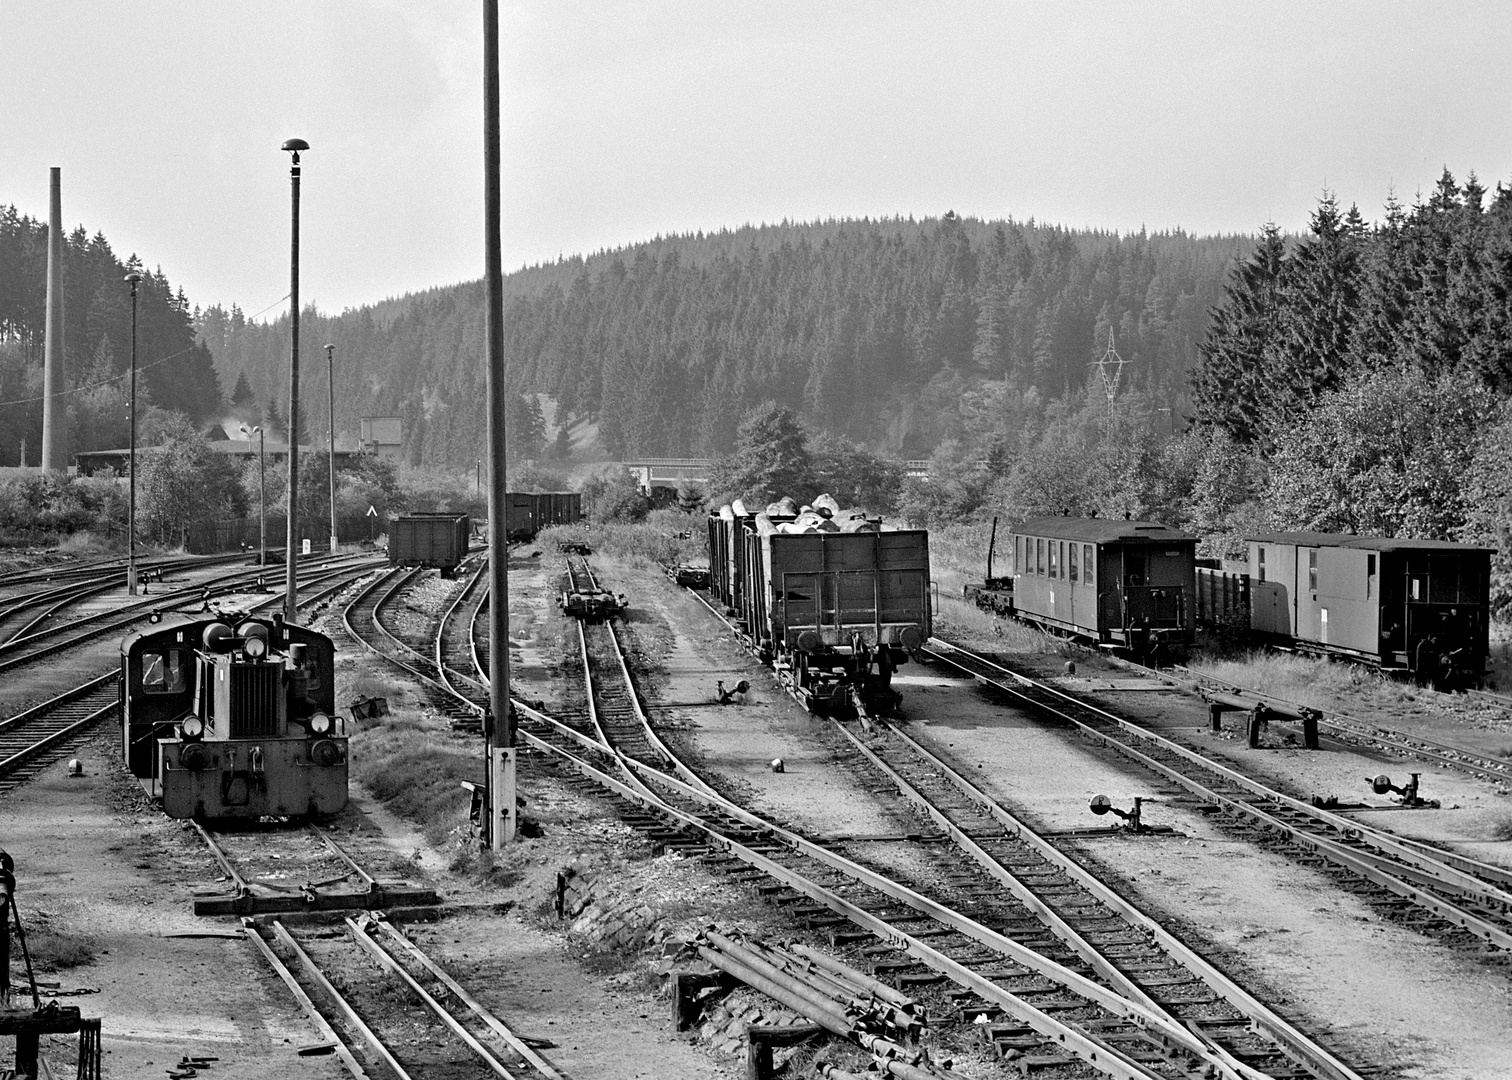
103,382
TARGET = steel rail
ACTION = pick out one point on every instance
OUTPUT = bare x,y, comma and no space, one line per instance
516,1042
1148,1016
446,618
933,909
1283,1034
1343,724
227,866
1103,1057
7,764
55,601
113,619
341,1003
38,712
1367,865
1433,867
340,852
322,1025
392,965
1275,1027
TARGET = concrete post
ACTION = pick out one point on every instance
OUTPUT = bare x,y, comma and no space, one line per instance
54,368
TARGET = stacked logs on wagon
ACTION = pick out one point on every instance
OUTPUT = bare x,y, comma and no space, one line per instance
824,514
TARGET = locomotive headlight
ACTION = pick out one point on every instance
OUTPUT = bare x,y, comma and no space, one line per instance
911,637
192,727
255,648
325,753
320,724
194,757
254,637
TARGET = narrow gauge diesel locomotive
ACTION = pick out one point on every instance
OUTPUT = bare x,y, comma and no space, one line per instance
834,613
1115,584
233,723
1420,607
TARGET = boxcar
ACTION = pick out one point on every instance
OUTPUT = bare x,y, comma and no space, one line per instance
1418,606
527,513
233,723
435,541
1117,584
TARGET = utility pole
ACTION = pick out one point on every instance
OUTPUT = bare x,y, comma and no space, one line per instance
131,567
331,394
498,726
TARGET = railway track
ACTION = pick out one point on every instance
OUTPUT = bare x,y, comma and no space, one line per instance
357,975
31,739
43,644
1020,966
1455,897
1355,730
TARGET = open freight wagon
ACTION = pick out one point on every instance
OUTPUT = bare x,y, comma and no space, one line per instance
834,613
433,541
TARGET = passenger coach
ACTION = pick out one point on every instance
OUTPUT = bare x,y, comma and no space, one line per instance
1127,584
1419,606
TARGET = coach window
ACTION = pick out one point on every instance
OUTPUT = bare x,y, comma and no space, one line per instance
1018,555
1039,557
1087,562
162,672
1054,562
1312,569
1073,562
1370,576
1260,561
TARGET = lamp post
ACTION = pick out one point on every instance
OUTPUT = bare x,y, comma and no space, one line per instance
331,395
131,568
294,146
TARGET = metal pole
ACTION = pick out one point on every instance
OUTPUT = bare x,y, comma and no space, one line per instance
331,395
499,736
262,498
131,567
292,532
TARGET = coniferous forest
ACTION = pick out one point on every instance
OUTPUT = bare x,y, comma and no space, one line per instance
1354,378
175,370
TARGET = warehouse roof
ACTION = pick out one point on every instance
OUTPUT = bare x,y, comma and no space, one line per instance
1365,543
1100,530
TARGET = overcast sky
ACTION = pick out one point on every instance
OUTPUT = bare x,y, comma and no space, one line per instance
625,120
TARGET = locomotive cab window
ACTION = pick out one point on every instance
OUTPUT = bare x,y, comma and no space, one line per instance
163,672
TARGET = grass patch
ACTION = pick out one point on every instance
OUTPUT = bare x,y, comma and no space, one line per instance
51,949
1306,680
1500,828
415,768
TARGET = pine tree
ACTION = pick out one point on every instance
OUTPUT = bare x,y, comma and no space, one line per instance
242,395
1230,382
770,460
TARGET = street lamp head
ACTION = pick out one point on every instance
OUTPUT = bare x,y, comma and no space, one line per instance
295,145
133,277
329,350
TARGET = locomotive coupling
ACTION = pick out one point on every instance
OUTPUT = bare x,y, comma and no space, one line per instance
1410,799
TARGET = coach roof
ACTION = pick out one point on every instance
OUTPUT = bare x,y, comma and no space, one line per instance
1365,543
1101,530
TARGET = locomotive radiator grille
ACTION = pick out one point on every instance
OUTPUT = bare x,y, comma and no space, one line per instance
254,699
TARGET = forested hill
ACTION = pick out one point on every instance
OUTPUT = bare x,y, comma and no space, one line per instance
876,330
175,371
